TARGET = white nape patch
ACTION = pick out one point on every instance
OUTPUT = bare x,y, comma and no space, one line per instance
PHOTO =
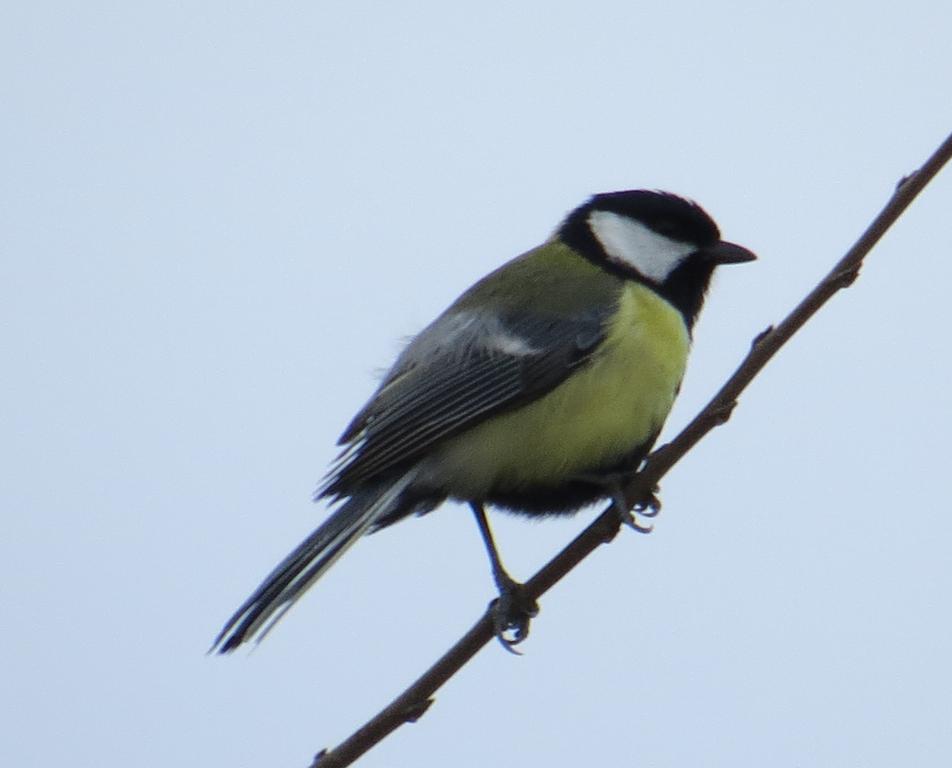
510,345
631,242
456,334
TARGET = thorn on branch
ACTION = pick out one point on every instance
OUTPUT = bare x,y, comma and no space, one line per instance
416,710
722,414
905,180
759,338
846,277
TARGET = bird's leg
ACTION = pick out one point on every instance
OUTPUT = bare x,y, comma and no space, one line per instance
513,609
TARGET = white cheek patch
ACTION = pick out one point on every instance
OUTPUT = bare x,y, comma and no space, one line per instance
631,242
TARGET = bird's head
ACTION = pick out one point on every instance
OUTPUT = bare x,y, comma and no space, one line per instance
663,240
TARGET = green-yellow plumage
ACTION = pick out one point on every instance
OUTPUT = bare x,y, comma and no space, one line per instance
598,415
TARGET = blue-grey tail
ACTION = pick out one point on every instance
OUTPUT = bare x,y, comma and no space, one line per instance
362,512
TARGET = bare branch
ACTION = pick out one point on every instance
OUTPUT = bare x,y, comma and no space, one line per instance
416,699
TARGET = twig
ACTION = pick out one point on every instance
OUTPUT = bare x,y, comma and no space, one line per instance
416,699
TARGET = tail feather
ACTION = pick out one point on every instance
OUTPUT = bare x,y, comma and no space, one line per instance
309,560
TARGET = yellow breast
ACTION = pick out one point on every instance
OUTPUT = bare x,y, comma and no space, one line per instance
601,413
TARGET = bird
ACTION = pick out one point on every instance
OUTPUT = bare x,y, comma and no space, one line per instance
538,391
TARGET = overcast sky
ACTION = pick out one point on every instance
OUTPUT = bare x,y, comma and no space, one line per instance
221,219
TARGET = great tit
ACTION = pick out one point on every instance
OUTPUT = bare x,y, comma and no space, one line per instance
537,391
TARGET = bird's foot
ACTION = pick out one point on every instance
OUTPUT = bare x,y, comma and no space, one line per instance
512,612
649,505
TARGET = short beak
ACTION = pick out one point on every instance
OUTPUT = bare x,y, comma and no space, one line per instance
723,252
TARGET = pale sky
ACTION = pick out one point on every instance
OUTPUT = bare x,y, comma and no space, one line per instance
221,220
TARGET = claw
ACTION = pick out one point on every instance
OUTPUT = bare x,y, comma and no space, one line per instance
646,507
632,522
513,610
650,505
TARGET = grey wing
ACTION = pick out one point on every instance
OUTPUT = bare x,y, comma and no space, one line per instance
459,371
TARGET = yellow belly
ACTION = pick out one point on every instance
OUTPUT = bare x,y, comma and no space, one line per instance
598,415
